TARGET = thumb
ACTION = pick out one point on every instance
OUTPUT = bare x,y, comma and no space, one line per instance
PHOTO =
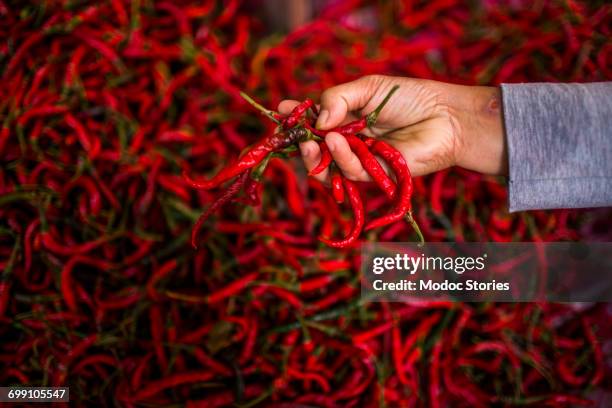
338,101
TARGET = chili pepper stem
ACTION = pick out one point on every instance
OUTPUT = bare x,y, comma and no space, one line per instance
268,113
372,117
312,136
416,228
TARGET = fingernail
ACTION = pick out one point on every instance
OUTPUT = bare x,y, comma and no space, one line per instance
323,116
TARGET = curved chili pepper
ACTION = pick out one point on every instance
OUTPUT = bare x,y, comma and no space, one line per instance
326,159
158,275
598,355
295,199
231,289
223,199
296,114
67,283
358,214
397,162
316,283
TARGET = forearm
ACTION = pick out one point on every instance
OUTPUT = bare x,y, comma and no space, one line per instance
559,145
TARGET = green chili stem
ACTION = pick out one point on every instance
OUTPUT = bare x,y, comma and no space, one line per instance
416,228
267,112
372,117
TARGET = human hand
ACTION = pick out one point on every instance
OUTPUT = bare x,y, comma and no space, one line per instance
434,125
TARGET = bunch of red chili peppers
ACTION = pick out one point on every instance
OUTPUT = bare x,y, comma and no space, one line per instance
296,127
105,104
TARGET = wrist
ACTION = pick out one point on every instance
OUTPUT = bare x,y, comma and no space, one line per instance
481,144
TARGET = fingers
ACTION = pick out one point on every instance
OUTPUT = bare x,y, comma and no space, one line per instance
338,101
347,161
311,154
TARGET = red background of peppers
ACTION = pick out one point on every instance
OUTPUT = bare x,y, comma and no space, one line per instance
104,103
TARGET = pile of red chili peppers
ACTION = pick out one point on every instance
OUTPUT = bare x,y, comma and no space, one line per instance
104,105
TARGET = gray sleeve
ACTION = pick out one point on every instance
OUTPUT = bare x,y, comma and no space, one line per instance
559,145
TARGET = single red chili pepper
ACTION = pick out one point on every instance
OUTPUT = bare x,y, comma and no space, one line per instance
344,292
315,283
15,373
326,159
359,381
462,389
40,111
73,353
283,294
223,199
231,289
5,295
210,362
67,283
319,379
296,114
434,376
373,332
145,200
73,67
295,199
567,374
179,15
403,204
114,303
358,214
465,316
398,357
337,186
95,360
334,265
33,93
158,275
52,245
568,400
31,40
372,166
598,356
249,344
420,332
196,335
157,335
138,373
